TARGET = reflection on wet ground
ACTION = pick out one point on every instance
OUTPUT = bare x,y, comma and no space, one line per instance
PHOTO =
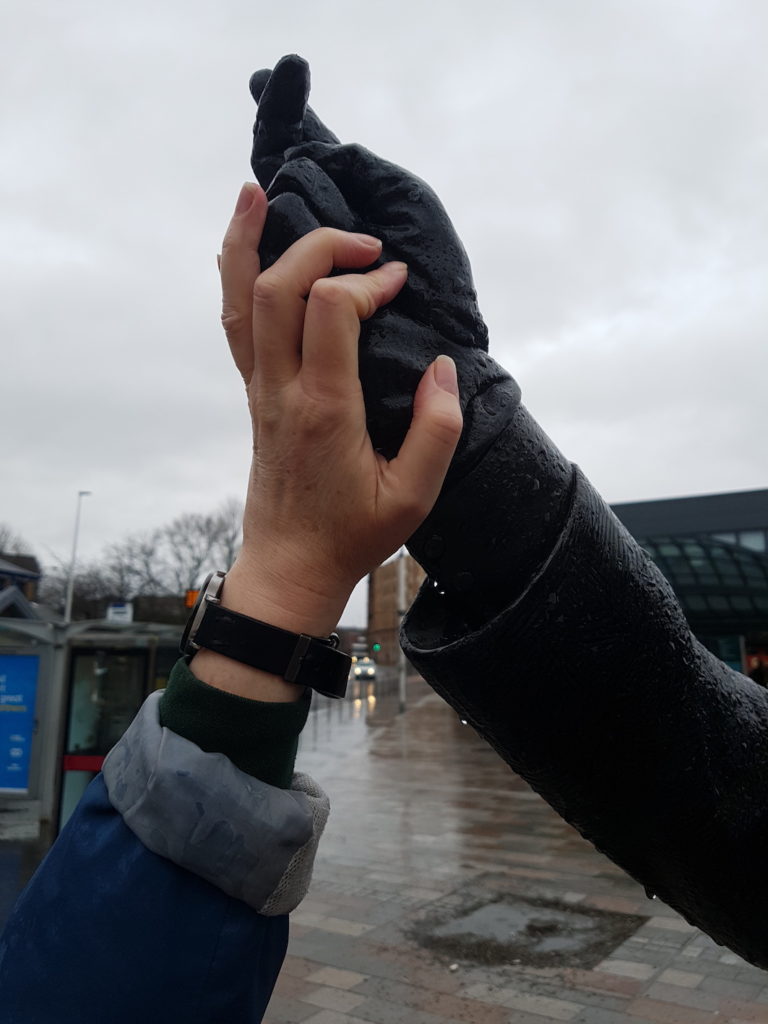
423,791
368,703
536,932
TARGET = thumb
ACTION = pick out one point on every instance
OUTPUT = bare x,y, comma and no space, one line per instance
429,445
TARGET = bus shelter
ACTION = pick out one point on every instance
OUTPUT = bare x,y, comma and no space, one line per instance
67,694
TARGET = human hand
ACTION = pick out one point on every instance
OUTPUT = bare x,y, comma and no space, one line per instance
323,507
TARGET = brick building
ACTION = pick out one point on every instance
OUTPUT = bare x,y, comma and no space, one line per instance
383,618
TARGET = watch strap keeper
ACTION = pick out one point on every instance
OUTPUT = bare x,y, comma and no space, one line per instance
295,657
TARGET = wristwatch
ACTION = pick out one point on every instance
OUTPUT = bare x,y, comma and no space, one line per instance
305,660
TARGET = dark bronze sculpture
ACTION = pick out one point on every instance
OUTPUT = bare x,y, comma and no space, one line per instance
543,623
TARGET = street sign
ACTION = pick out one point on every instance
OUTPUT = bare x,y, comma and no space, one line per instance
18,689
120,611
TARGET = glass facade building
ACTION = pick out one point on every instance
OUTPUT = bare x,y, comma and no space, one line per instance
713,549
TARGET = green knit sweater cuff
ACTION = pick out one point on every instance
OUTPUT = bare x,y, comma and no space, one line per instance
261,738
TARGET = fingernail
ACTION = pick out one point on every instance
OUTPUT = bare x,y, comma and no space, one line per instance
246,197
445,375
369,240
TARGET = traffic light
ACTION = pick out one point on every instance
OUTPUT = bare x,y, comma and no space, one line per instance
376,648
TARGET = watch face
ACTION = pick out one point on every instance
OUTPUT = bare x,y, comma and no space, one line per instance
196,615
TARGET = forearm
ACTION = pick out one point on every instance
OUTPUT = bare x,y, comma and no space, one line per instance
260,737
109,931
591,686
495,527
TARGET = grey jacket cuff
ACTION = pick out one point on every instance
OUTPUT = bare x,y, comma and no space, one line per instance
254,841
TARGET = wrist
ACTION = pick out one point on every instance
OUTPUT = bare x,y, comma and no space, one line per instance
249,590
285,598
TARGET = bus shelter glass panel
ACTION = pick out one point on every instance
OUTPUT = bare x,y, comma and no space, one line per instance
106,691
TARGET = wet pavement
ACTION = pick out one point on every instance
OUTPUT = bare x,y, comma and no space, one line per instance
446,890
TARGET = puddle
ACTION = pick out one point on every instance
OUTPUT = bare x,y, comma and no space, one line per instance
539,933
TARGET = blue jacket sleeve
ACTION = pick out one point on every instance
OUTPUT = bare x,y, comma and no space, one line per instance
108,930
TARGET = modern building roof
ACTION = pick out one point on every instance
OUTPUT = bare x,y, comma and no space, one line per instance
719,585
712,549
703,513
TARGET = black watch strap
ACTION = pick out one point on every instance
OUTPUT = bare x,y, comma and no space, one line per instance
296,657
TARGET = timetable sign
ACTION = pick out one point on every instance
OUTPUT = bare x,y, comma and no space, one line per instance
18,689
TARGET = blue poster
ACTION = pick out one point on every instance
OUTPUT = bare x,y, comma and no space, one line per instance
18,687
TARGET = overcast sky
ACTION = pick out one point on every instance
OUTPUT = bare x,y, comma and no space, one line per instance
605,162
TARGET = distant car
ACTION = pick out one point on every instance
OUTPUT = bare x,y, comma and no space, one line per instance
363,668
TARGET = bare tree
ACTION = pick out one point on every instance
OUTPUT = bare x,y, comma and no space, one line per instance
164,562
134,566
229,532
188,544
194,543
92,589
11,542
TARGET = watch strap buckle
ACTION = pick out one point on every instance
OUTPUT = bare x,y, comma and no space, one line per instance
294,665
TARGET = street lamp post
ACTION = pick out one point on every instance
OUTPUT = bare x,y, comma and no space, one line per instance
71,580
